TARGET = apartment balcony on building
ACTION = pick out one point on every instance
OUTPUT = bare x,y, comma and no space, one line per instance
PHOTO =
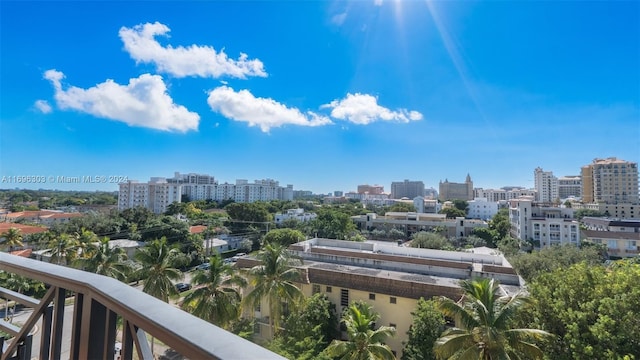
88,316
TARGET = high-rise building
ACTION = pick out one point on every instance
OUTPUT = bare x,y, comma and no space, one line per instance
456,191
610,181
371,189
408,189
546,185
570,186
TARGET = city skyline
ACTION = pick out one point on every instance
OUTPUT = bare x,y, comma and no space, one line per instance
375,91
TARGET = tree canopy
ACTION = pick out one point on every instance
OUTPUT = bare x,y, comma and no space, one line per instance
284,237
429,240
483,325
529,266
428,324
592,309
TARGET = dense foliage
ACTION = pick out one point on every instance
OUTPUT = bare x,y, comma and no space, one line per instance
429,240
428,324
483,325
308,330
592,309
531,265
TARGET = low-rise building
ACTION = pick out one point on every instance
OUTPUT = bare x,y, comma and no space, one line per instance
390,278
622,237
297,214
412,222
480,208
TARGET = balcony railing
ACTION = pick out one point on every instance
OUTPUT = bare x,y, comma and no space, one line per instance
98,303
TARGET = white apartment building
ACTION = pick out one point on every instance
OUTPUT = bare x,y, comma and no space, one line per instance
546,185
480,208
157,194
162,194
496,195
544,224
133,194
298,214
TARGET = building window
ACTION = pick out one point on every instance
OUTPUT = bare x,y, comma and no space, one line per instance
315,288
344,297
393,300
328,289
372,296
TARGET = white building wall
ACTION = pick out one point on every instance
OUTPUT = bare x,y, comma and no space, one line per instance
480,208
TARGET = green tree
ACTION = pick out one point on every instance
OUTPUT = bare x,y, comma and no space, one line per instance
453,213
483,323
500,224
365,342
216,297
402,207
12,238
491,237
592,309
247,214
284,237
428,324
429,240
530,266
308,330
580,213
509,246
274,280
331,224
461,205
63,248
159,263
100,258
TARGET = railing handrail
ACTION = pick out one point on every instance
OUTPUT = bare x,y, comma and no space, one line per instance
183,332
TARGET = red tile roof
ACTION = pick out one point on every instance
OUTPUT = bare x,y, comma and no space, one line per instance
197,229
25,229
24,253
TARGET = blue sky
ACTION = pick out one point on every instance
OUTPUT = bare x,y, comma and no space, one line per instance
321,95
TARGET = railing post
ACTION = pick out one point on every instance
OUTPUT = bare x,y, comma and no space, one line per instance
58,320
45,338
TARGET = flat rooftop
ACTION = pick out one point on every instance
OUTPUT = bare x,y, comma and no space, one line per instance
399,270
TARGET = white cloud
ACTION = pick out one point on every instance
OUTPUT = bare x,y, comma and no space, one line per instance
263,112
377,2
363,109
143,102
180,61
43,106
339,19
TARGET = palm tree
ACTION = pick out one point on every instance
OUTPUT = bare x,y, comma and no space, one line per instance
482,325
102,259
63,247
158,269
12,238
158,263
365,342
274,280
216,297
85,239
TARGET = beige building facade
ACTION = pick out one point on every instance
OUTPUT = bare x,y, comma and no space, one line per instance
610,181
390,278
